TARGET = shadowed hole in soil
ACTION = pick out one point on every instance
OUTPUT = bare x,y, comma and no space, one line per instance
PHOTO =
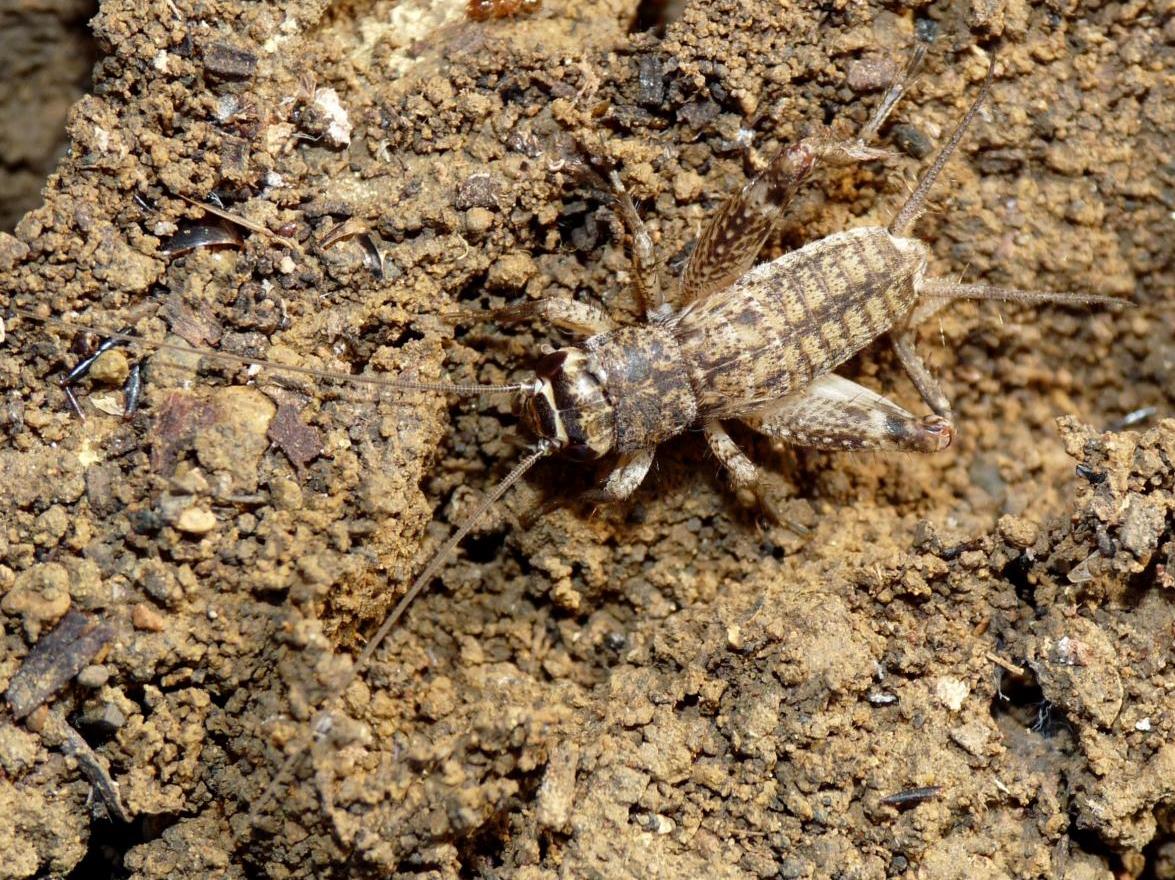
1087,841
582,225
1140,585
470,296
1016,573
486,850
96,729
111,840
484,548
1023,700
1159,856
656,15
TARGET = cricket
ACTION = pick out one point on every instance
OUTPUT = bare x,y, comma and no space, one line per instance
731,340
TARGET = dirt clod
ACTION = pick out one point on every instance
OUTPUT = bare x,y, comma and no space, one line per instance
960,670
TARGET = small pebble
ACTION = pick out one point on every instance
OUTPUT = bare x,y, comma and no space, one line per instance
951,692
93,676
872,74
110,367
147,618
478,221
108,719
1018,532
911,141
196,521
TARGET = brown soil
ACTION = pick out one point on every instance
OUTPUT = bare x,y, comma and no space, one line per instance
670,688
45,58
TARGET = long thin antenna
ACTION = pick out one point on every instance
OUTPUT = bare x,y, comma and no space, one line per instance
916,203
325,375
542,450
940,288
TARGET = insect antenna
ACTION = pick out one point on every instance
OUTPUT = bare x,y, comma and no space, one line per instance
541,450
464,390
916,204
940,288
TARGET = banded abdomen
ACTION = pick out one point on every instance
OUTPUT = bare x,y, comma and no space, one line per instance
786,322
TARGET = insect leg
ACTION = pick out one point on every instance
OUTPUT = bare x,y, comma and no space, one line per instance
644,258
926,309
623,480
916,203
132,389
731,241
744,473
566,314
81,369
893,94
836,414
927,385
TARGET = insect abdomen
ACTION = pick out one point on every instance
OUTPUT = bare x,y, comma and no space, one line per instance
786,322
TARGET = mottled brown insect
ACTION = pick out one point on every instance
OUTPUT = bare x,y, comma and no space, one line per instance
735,341
757,344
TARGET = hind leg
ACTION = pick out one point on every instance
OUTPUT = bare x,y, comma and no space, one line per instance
834,413
927,385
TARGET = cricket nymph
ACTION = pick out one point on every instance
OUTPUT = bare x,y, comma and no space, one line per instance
756,344
731,341
778,328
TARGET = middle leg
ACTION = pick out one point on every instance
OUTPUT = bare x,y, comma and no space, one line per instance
731,241
745,475
644,258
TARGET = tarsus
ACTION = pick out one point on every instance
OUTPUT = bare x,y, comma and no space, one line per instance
952,290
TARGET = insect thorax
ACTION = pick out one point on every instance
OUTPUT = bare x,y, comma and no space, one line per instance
620,392
644,377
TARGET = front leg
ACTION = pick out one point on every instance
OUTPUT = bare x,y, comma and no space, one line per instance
623,479
834,413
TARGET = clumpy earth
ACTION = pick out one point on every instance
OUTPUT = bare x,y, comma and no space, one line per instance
961,668
46,54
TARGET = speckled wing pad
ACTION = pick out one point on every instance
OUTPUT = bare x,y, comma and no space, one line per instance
732,240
